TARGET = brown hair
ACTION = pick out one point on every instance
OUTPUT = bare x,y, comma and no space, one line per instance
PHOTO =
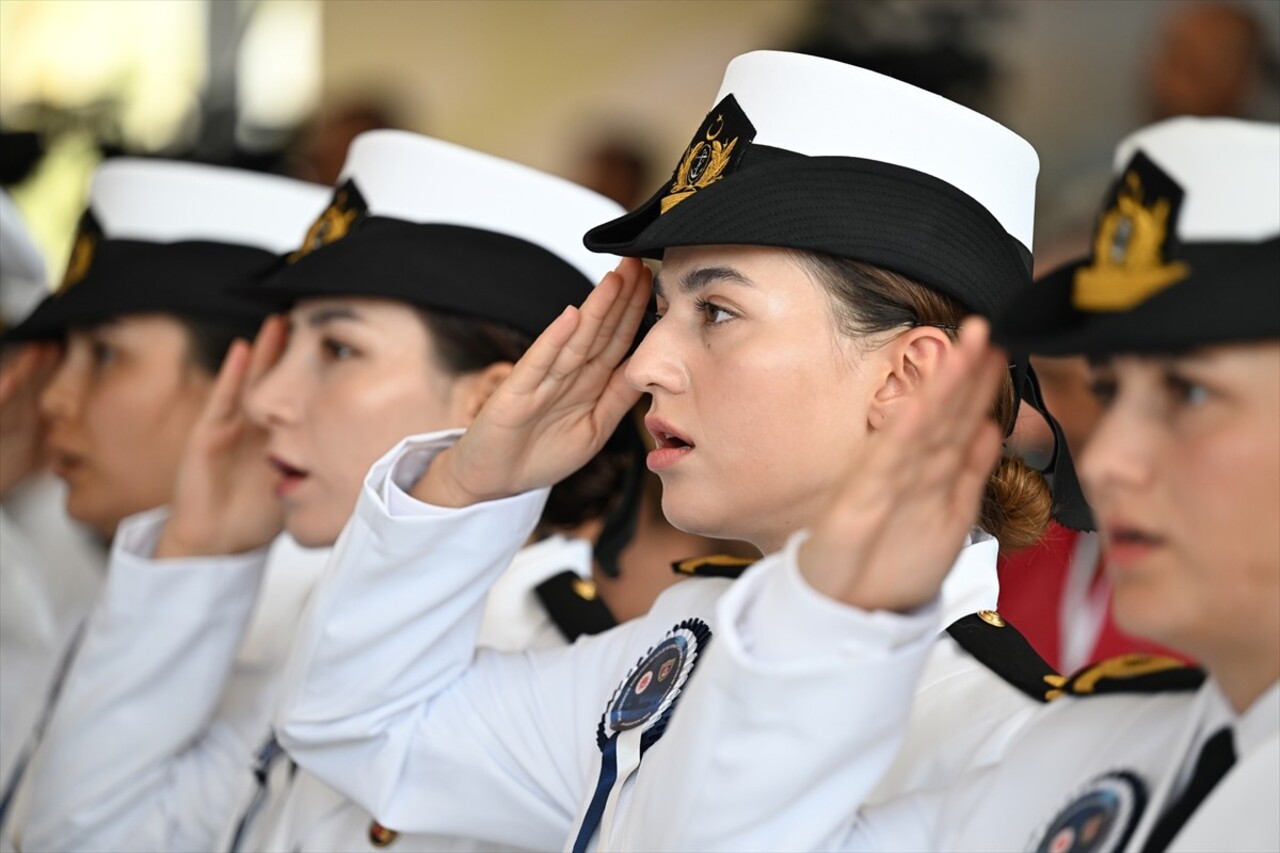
868,300
467,344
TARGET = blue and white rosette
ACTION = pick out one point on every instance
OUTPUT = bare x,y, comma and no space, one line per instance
1100,818
636,718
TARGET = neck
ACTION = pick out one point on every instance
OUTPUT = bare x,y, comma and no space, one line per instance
1244,674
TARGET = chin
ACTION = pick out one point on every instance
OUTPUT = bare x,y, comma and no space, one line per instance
1138,609
102,520
698,519
311,532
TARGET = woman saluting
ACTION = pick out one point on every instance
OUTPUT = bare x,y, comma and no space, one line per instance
819,250
1178,310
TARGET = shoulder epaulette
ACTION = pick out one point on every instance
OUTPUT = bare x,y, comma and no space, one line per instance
1000,647
714,566
574,605
1137,673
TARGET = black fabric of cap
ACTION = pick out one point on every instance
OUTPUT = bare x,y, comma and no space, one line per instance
451,268
886,215
1230,296
196,278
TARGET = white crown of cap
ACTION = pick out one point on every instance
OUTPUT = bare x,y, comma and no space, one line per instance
23,281
163,201
1228,168
824,108
416,178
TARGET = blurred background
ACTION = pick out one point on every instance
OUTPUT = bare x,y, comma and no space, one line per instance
605,92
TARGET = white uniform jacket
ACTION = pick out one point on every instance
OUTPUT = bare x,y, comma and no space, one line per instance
167,699
1097,769
299,813
50,573
388,699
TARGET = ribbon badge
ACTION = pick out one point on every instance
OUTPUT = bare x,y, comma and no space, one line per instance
637,716
1100,819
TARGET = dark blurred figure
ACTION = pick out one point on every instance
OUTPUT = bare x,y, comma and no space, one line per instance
617,168
320,147
941,47
1209,60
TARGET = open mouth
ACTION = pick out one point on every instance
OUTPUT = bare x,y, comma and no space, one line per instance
670,439
672,446
64,463
290,476
1127,545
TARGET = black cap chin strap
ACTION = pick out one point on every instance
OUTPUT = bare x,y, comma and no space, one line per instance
620,525
1069,506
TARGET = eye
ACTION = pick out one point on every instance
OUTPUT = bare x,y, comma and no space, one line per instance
1184,391
1103,389
103,353
713,314
337,350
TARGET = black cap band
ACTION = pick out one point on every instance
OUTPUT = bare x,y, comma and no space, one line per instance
451,268
198,279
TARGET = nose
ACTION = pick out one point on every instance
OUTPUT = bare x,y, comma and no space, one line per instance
655,366
62,398
274,400
1117,457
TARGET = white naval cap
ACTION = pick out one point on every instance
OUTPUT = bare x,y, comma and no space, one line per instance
1229,167
178,238
449,229
821,108
164,201
1186,249
420,179
811,154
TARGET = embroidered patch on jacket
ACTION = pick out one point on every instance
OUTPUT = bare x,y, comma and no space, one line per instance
1099,818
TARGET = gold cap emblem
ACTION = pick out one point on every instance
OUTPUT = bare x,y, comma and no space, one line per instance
1128,264
711,153
88,236
81,260
335,223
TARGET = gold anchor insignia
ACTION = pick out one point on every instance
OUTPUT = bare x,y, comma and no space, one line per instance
332,226
703,164
81,259
1127,268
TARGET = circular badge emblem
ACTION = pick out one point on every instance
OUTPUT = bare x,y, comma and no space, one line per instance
653,684
1099,819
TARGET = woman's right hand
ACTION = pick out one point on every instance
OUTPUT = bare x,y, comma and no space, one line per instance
892,533
562,401
23,376
224,501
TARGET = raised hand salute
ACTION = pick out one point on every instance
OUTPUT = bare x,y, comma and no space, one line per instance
560,404
223,501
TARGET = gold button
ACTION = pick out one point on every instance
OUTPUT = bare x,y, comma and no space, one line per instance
380,836
584,589
991,618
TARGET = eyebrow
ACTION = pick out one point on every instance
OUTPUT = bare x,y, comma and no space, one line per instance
695,280
329,313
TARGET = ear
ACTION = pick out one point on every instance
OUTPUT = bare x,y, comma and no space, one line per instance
908,362
472,391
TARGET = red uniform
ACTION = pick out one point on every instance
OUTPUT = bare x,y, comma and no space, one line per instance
1057,595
